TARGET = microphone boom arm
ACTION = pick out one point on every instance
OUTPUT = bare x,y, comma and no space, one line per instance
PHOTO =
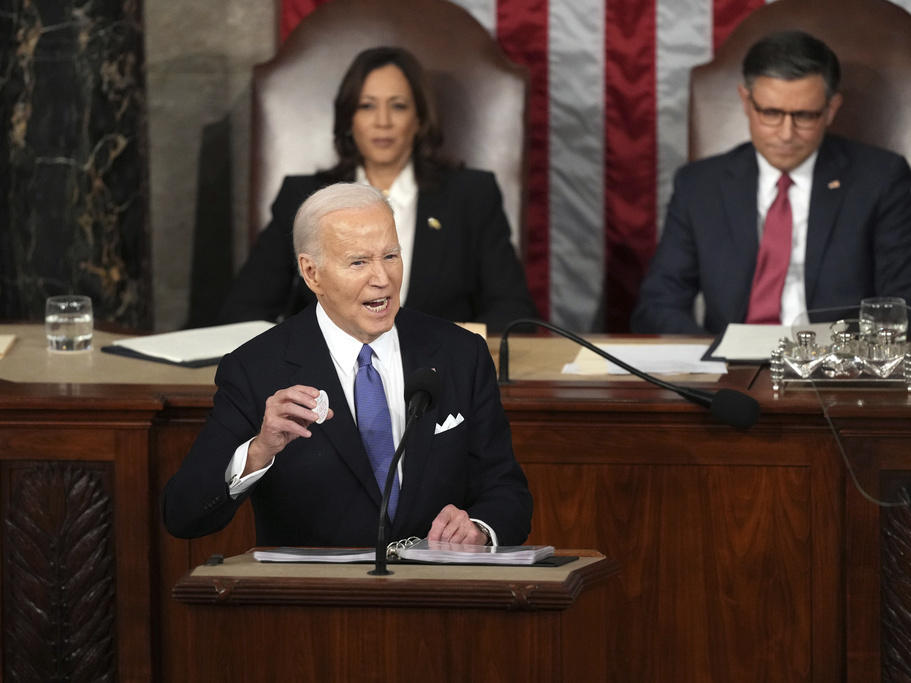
733,407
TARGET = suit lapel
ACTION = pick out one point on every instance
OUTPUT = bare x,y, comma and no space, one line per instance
429,246
418,351
738,190
830,179
309,351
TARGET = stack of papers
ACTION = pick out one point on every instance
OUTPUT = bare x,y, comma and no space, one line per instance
415,550
315,555
457,553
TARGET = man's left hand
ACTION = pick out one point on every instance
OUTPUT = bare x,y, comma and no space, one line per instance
452,525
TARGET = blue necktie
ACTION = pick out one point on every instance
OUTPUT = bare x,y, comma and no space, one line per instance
374,423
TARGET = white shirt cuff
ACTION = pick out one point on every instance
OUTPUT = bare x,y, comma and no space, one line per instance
493,534
236,483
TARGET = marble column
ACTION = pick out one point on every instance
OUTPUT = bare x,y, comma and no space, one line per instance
73,158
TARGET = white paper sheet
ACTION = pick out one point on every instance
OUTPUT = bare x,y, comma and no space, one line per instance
671,359
756,342
193,345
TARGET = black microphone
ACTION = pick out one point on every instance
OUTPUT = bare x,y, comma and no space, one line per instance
421,389
727,405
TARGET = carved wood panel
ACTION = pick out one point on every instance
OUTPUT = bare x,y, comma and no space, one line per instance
58,572
896,580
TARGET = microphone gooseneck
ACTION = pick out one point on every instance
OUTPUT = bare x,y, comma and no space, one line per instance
421,389
727,405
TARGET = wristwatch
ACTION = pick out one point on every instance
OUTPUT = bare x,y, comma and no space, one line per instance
483,529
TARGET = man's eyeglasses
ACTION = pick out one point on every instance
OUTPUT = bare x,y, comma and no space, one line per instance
775,117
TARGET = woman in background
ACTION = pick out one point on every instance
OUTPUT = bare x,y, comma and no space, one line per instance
458,261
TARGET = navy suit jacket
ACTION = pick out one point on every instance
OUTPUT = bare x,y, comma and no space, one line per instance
464,270
321,491
858,237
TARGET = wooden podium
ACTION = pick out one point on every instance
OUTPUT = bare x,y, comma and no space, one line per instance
746,556
334,622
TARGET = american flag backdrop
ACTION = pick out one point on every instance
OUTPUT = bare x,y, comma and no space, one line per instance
608,129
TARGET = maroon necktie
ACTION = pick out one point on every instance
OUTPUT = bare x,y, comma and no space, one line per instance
772,262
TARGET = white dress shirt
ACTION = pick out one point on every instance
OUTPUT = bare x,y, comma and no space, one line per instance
343,348
794,295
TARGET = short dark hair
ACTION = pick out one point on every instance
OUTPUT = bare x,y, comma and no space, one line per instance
790,55
426,154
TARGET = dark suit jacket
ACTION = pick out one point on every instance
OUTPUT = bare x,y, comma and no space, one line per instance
465,271
321,491
858,237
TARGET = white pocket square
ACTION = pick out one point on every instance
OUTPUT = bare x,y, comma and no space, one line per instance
449,423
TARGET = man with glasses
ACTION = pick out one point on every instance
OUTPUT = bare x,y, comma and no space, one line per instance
794,220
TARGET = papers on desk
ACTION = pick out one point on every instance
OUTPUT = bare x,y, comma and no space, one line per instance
191,348
315,555
415,550
438,552
673,359
754,343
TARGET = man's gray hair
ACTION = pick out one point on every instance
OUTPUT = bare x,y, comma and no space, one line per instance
320,204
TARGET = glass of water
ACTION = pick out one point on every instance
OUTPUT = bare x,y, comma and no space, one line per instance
68,323
884,313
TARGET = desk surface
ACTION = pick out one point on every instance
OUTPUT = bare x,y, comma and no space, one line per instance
245,567
30,361
30,372
531,358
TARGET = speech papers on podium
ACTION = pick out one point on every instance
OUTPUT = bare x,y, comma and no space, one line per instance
414,550
458,553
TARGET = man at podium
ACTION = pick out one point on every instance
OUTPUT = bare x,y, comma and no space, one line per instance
307,415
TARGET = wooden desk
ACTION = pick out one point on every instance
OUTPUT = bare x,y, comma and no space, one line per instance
422,623
744,555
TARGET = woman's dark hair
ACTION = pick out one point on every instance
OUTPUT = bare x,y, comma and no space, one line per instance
426,155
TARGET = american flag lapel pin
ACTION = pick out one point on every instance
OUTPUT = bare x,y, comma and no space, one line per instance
834,184
434,223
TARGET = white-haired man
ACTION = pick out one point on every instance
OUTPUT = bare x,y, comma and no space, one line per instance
320,484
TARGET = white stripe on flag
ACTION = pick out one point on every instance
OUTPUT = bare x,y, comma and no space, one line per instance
684,39
576,85
485,11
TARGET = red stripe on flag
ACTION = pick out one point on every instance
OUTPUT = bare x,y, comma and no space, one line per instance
522,32
630,154
292,11
727,14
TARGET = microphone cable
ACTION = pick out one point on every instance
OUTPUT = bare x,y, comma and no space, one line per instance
839,444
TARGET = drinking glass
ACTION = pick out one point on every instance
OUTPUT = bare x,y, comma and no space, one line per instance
884,312
68,322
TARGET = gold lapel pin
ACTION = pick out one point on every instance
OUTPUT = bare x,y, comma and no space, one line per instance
434,223
834,184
